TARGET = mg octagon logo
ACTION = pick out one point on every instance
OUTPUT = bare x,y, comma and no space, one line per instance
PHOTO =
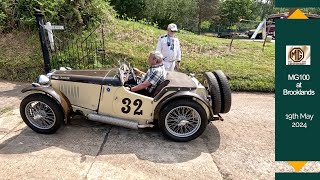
298,55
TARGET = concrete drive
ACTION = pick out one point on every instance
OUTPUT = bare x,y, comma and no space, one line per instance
241,147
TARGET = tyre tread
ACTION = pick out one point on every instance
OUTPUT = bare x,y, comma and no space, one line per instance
225,91
214,92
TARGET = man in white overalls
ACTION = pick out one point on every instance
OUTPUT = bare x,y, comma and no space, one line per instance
169,46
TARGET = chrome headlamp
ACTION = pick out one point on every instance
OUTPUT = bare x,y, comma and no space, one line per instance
43,80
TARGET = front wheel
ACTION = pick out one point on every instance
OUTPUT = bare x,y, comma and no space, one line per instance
41,113
183,120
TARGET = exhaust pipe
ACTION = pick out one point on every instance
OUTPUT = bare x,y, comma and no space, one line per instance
116,121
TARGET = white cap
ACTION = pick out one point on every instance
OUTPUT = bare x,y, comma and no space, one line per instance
173,27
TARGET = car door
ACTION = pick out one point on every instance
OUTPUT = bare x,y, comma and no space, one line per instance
119,102
132,106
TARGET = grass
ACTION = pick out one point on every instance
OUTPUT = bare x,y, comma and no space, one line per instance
20,57
249,68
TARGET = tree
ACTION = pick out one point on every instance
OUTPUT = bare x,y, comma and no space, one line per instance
232,10
206,10
164,12
73,14
262,9
205,25
129,8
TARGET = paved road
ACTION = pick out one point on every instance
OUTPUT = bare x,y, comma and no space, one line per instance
241,147
256,40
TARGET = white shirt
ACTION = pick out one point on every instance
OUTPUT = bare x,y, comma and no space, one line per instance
170,49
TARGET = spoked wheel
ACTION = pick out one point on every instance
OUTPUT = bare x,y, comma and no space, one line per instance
183,120
41,113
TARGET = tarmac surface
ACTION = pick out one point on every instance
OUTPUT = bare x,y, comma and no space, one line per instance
240,147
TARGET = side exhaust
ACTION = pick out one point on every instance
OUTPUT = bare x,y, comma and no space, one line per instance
117,121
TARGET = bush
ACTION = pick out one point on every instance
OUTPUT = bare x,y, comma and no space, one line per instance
75,15
205,25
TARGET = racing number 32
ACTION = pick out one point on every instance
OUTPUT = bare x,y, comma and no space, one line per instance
127,108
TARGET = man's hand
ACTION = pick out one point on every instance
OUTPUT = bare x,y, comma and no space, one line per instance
138,72
143,85
177,68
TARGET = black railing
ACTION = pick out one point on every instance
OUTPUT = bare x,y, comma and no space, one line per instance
80,53
73,51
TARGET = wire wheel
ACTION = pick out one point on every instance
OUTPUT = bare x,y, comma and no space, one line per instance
40,115
183,121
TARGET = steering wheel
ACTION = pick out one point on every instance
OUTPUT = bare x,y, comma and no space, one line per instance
124,68
133,74
127,74
121,76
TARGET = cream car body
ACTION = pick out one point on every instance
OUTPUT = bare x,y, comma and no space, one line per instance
101,95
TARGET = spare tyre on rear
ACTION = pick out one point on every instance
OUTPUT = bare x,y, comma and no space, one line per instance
211,82
225,91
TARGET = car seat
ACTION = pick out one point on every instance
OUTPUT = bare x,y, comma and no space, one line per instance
159,88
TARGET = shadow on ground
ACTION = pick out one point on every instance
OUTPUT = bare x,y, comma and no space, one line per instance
91,139
13,91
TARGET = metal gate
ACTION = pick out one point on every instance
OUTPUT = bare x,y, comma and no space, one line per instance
75,51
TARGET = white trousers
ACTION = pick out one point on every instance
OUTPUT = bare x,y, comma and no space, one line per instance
169,66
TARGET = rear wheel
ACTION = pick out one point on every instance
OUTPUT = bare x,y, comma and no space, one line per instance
183,120
225,91
212,85
41,113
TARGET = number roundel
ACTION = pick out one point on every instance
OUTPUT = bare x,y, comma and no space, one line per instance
127,108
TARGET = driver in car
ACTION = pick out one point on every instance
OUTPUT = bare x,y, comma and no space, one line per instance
155,75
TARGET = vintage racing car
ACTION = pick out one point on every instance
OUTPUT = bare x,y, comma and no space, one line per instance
181,106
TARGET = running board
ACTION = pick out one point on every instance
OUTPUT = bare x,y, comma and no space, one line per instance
117,121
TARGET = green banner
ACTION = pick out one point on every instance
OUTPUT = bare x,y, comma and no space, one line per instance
296,4
297,176
297,90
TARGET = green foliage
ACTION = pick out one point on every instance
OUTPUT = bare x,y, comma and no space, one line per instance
232,10
262,9
248,67
206,10
129,8
3,18
73,14
188,14
205,25
164,12
20,56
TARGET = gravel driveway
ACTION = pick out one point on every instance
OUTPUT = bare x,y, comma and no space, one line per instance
240,147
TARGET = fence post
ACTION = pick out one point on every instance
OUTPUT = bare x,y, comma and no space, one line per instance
45,52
